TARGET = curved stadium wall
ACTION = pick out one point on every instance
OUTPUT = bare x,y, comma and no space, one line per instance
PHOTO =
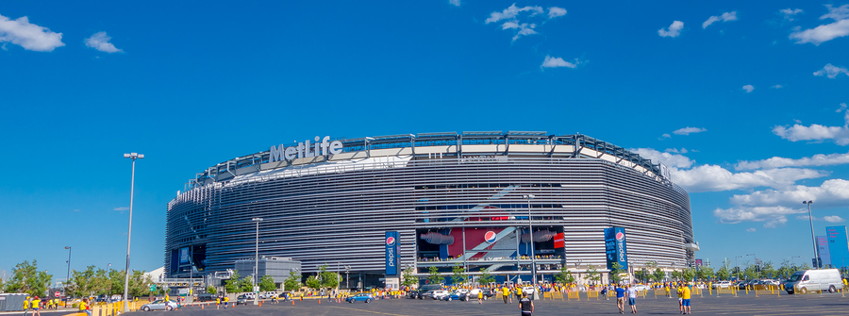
443,193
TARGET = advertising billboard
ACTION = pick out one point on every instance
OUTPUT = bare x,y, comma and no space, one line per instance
391,243
615,247
838,248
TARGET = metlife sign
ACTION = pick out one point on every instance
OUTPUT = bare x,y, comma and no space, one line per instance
392,252
306,149
615,247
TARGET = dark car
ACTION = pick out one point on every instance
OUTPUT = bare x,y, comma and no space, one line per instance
242,300
414,294
206,297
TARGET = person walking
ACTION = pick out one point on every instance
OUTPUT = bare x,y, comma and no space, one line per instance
26,306
526,306
480,296
685,300
620,299
632,298
218,302
680,291
36,306
84,307
505,294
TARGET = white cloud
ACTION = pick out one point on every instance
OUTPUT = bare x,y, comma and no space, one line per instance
748,88
669,160
790,14
674,30
751,229
121,208
516,18
725,17
837,14
100,41
455,3
826,32
832,219
554,12
666,135
689,130
28,35
777,86
830,192
705,178
841,108
780,162
772,216
557,62
831,71
677,151
815,132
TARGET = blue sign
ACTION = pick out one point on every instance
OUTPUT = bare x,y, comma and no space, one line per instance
615,247
391,242
838,246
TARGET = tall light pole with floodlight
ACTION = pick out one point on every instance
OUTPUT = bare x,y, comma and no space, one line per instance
528,197
256,220
816,261
68,276
133,157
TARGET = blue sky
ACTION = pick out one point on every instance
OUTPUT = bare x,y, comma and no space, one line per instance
745,102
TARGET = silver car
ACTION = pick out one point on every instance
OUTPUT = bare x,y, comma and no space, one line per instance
160,305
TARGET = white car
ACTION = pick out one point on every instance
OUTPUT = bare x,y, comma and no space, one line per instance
440,294
642,287
160,305
723,285
529,290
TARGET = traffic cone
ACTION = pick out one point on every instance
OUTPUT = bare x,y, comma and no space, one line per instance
293,302
319,301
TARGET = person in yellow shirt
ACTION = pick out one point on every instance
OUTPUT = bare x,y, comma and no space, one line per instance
680,291
26,306
84,307
36,306
505,293
226,302
218,303
685,300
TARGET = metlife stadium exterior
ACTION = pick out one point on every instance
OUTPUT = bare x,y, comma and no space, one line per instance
372,207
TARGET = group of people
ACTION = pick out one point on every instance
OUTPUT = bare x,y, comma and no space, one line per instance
684,291
35,304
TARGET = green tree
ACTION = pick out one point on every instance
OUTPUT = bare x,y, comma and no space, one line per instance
458,275
642,274
688,274
246,284
313,282
486,278
616,268
676,275
27,279
433,275
564,276
705,273
593,274
768,270
328,279
211,289
658,275
266,283
751,272
409,279
233,285
293,282
723,273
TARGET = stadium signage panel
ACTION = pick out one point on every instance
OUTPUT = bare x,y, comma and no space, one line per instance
391,242
317,147
615,247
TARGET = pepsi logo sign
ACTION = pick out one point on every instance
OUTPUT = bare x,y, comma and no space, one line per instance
390,241
489,236
620,236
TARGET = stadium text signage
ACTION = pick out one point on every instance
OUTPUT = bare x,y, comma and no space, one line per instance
306,149
615,247
391,242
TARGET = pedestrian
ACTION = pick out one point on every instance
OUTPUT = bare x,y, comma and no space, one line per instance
226,302
36,306
480,296
632,298
685,300
27,306
218,302
84,307
680,291
505,294
604,293
620,299
526,305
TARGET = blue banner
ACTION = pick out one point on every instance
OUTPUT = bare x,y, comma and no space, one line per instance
615,247
391,242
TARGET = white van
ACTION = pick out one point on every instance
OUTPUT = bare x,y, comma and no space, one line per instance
814,280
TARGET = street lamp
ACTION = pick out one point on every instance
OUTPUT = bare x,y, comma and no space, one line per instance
68,277
133,157
347,277
813,239
257,220
528,197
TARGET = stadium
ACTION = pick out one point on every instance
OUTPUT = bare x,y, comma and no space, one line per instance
372,207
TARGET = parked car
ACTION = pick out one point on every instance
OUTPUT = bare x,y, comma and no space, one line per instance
722,285
642,287
362,297
414,294
160,305
456,296
206,297
242,299
814,280
439,294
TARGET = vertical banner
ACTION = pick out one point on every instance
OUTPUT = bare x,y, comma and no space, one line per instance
615,247
559,241
391,242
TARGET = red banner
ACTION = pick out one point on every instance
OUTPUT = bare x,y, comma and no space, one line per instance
558,241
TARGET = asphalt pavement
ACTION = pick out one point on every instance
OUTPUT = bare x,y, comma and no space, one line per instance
827,304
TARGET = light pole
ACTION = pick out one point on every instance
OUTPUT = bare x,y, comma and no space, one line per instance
257,220
347,277
816,261
528,197
133,157
68,277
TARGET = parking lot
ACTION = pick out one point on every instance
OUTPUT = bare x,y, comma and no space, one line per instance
826,304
